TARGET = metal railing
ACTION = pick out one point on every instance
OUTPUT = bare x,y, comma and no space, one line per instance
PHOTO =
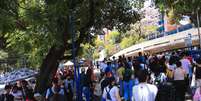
158,34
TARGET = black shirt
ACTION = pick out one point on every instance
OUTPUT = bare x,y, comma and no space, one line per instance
6,97
198,72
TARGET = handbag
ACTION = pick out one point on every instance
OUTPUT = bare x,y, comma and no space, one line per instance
169,73
193,84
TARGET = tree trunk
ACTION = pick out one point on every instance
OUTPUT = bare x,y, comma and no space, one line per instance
48,68
51,61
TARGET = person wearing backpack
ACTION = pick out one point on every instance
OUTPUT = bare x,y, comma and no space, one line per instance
127,84
179,82
144,91
111,92
55,93
68,88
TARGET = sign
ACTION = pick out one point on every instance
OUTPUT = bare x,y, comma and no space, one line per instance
188,41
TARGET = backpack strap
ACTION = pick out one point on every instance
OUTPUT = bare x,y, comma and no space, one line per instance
108,92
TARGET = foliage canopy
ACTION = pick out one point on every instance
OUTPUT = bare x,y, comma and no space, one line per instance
42,30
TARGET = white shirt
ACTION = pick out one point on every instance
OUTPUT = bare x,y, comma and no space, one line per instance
144,92
171,67
113,92
186,65
17,94
103,66
53,91
179,74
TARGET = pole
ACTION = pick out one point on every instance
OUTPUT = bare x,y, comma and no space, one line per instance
73,53
78,82
198,22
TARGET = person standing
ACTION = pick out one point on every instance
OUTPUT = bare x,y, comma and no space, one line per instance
186,64
87,85
17,93
141,58
198,72
68,88
6,96
179,80
127,84
120,73
55,93
111,92
144,91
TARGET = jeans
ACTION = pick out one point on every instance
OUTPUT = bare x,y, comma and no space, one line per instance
121,87
128,90
87,93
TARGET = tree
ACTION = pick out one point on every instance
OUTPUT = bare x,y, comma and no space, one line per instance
113,37
3,54
42,29
178,8
132,36
88,51
129,41
111,41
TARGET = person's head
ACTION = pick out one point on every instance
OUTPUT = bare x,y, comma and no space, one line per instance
14,89
7,88
89,72
129,58
24,83
113,57
55,82
178,64
19,83
142,76
183,55
109,63
140,53
173,53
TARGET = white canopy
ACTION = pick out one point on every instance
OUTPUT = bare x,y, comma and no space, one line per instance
68,63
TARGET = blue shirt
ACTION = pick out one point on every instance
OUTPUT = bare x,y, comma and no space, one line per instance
48,92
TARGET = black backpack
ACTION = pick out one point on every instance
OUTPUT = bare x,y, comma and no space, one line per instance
52,94
68,90
104,83
127,75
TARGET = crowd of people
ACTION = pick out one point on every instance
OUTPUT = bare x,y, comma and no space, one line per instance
160,77
22,90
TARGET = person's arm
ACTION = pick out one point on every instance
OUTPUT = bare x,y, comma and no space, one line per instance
117,95
155,91
72,85
184,72
47,94
62,92
189,64
133,98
